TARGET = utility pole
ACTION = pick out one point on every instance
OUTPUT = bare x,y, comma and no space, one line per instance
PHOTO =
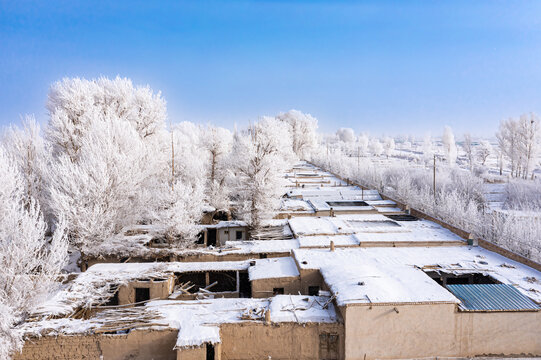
172,158
434,183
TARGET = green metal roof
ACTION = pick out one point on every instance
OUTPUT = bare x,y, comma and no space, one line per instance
492,297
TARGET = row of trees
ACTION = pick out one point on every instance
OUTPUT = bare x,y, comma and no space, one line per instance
458,200
107,159
518,146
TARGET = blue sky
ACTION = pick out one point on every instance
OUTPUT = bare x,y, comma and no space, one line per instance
386,67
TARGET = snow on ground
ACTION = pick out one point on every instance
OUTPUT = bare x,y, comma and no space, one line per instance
273,268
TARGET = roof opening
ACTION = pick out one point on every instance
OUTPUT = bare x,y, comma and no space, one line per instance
402,217
445,279
346,203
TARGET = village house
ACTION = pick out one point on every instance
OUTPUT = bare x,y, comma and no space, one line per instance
375,281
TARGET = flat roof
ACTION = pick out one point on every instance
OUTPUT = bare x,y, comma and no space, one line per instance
396,275
273,268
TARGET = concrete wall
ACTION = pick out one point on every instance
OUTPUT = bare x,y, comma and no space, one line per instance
278,341
417,331
264,287
137,345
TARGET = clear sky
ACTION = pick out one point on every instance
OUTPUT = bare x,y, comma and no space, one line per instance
378,66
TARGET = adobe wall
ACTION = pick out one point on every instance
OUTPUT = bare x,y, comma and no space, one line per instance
158,290
263,288
186,258
430,330
137,345
199,353
277,341
463,234
310,277
195,353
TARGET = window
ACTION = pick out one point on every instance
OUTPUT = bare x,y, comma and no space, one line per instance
328,346
313,290
238,235
278,291
142,294
262,256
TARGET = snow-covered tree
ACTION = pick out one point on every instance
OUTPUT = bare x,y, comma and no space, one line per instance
449,145
217,142
388,145
519,140
108,141
303,129
29,261
484,151
362,143
346,135
102,191
72,98
31,156
376,148
180,191
258,158
468,149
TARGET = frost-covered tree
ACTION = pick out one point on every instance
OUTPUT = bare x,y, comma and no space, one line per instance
31,156
468,149
258,158
303,129
346,135
180,191
449,145
388,145
376,148
362,143
72,98
29,261
519,140
484,151
217,142
103,190
108,142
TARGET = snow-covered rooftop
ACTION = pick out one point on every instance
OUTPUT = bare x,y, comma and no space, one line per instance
343,224
94,286
198,322
395,275
273,268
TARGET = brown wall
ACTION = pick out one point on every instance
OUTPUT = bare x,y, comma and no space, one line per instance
431,330
158,290
282,341
263,288
142,344
310,277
